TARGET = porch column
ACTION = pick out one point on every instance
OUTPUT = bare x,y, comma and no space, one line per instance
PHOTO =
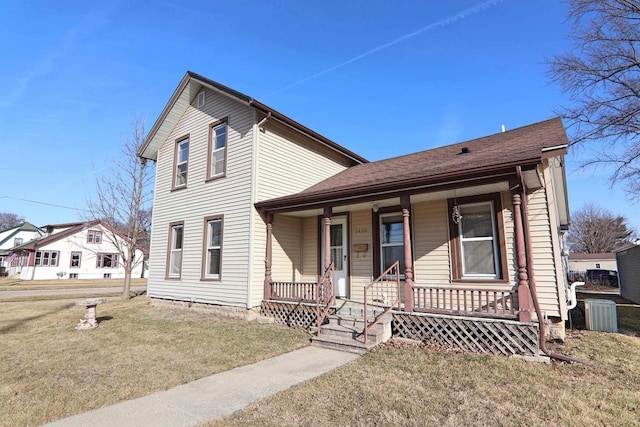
327,236
267,260
408,257
524,293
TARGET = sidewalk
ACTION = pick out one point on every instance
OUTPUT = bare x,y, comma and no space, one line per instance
215,396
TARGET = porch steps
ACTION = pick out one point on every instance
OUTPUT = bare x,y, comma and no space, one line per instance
344,331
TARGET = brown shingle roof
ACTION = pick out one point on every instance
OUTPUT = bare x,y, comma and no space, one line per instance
588,257
521,146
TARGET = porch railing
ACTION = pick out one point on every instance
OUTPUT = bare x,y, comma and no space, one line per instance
325,296
384,293
294,291
468,302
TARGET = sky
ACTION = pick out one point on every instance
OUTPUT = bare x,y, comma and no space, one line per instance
380,78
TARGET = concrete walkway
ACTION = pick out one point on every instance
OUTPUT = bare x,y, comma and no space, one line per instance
215,396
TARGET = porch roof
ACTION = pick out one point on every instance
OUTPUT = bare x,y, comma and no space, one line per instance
477,158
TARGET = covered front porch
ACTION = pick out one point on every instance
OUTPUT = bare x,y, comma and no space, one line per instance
455,256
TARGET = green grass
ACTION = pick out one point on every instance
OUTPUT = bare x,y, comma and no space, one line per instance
48,370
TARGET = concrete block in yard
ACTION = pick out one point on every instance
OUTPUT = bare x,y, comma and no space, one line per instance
263,320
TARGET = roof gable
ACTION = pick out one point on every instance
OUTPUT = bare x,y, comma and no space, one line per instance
8,233
190,85
73,229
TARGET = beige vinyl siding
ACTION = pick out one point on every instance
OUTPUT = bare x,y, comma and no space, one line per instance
229,196
554,226
286,249
430,223
361,262
286,163
543,253
309,249
289,163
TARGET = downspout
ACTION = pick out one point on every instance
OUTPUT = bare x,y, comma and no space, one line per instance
532,281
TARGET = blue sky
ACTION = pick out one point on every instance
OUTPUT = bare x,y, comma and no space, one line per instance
381,78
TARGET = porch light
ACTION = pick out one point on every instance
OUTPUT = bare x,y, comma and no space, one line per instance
375,207
455,213
456,216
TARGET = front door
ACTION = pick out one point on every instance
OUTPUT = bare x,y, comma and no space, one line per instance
339,254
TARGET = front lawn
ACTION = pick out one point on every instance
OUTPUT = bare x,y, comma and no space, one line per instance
48,370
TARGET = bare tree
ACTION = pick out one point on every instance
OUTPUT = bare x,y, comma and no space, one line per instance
596,230
601,76
123,199
8,220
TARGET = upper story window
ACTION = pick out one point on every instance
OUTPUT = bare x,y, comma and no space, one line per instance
47,258
174,257
213,247
17,241
478,250
181,163
217,156
94,236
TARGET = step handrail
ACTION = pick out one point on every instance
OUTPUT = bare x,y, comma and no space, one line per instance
325,297
379,285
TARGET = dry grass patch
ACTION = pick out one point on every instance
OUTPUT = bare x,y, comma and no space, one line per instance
49,370
418,387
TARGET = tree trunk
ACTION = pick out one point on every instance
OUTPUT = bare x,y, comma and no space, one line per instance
127,278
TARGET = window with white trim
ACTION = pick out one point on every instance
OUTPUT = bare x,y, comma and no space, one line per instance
213,256
176,237
17,241
478,241
217,149
181,163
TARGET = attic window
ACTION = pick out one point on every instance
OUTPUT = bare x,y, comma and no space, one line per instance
201,99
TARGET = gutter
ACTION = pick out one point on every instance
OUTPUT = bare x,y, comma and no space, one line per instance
532,281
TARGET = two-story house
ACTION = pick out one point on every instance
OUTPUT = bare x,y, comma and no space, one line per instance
251,206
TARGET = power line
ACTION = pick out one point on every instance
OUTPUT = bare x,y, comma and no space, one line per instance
44,203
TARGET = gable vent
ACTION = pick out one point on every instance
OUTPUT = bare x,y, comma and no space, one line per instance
201,99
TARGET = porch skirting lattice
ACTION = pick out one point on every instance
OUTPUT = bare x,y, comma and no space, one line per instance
294,314
495,336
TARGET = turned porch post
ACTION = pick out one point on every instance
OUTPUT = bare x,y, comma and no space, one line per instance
408,258
524,293
267,260
327,237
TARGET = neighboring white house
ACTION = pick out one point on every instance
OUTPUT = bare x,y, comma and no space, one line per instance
71,251
17,235
583,262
